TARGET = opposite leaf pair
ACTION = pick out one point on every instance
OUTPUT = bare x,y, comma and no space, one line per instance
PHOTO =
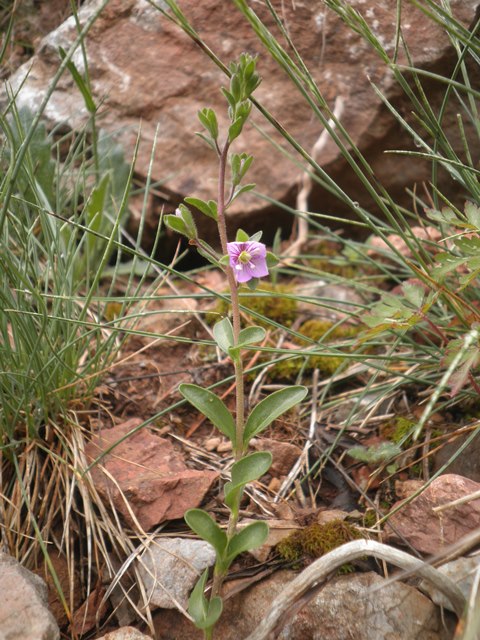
264,413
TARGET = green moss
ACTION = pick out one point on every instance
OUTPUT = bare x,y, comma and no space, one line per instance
328,258
275,307
403,429
315,540
369,519
316,330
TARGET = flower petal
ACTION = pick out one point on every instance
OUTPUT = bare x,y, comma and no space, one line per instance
255,268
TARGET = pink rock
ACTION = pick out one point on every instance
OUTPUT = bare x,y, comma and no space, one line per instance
143,68
148,472
429,531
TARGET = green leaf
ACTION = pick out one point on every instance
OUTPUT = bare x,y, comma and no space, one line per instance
251,467
96,201
414,293
243,189
242,236
187,217
208,256
256,236
209,120
272,260
176,224
250,68
245,470
213,208
208,247
251,335
206,528
473,214
94,211
447,263
208,250
246,162
212,118
271,408
206,139
229,97
204,613
80,82
253,284
235,163
250,537
202,206
235,129
211,406
252,84
243,111
202,116
41,151
223,334
236,88
468,246
215,608
445,216
376,453
197,603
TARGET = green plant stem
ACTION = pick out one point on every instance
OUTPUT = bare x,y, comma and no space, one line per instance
219,576
232,284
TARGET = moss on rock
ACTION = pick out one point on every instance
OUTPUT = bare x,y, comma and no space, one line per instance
274,302
316,540
316,330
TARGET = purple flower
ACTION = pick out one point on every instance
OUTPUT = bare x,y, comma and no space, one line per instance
248,260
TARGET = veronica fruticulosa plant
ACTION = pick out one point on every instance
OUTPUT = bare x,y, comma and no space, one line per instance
243,261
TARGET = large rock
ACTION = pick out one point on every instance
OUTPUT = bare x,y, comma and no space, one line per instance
144,476
359,606
24,613
467,463
144,68
431,531
170,568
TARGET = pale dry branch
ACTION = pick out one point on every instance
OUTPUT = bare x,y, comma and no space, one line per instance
307,185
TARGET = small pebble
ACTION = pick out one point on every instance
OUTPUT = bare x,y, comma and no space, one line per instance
275,484
224,446
212,443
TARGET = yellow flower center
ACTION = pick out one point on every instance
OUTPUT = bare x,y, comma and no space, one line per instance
244,257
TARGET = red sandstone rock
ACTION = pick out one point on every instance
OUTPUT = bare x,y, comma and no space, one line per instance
145,69
148,473
429,531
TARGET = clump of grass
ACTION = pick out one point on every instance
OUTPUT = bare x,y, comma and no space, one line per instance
63,203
